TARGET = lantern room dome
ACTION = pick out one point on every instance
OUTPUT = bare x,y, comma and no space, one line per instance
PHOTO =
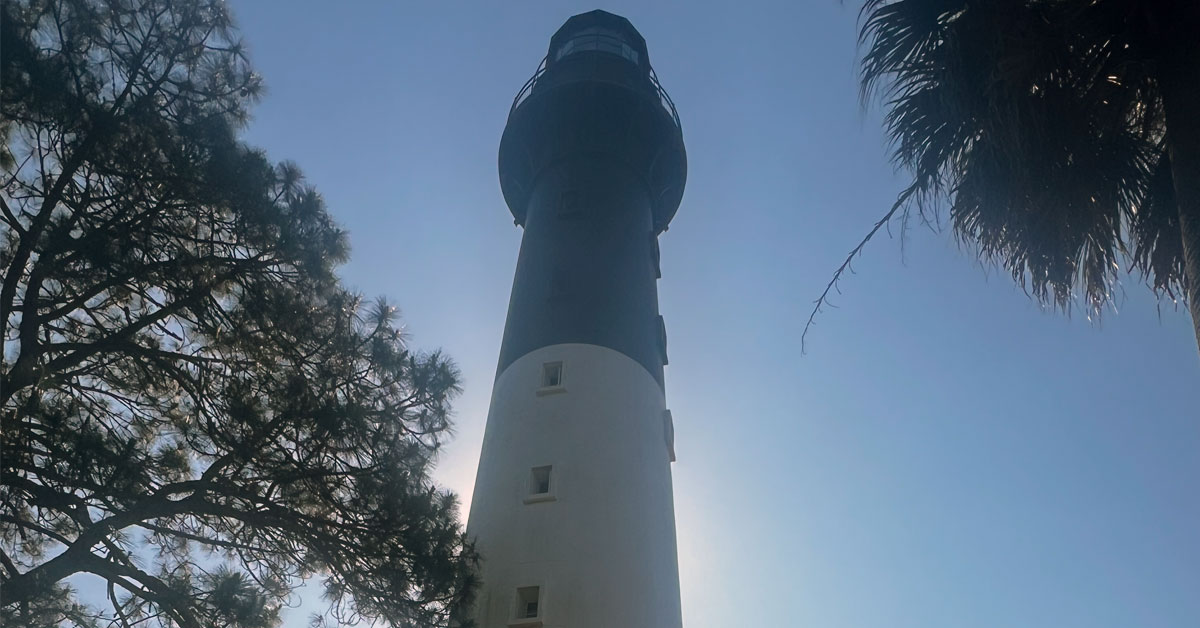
595,92
599,31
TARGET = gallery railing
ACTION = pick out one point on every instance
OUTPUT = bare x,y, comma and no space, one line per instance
664,99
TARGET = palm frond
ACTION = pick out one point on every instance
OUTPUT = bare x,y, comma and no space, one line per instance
1037,127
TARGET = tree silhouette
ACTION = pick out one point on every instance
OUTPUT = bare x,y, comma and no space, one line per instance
1061,137
195,413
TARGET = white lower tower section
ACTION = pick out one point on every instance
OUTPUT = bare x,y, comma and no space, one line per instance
595,548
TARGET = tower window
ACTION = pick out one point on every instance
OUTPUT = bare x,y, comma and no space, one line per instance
552,375
528,602
541,488
539,481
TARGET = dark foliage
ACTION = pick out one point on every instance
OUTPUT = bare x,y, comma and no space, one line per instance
196,414
1039,129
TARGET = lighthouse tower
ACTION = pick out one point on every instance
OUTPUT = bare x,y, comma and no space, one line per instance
572,510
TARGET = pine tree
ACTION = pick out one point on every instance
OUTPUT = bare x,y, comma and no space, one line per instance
195,413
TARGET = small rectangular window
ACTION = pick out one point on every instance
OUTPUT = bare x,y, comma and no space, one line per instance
528,599
541,485
539,481
552,374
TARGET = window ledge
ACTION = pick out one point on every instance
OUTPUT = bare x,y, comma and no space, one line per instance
550,390
540,497
527,622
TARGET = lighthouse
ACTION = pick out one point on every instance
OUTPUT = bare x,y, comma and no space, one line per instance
572,510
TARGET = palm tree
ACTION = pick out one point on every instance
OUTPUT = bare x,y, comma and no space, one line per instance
1061,138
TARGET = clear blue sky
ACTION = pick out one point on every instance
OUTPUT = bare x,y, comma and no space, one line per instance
946,455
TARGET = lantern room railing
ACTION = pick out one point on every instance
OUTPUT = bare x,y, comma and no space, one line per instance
664,99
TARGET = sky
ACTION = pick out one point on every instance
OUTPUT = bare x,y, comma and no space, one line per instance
945,454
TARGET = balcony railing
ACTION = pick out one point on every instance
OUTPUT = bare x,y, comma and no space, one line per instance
664,99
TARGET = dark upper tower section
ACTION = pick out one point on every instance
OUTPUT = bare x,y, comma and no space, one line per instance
592,166
595,91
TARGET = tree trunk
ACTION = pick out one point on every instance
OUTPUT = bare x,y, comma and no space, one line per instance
1179,78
